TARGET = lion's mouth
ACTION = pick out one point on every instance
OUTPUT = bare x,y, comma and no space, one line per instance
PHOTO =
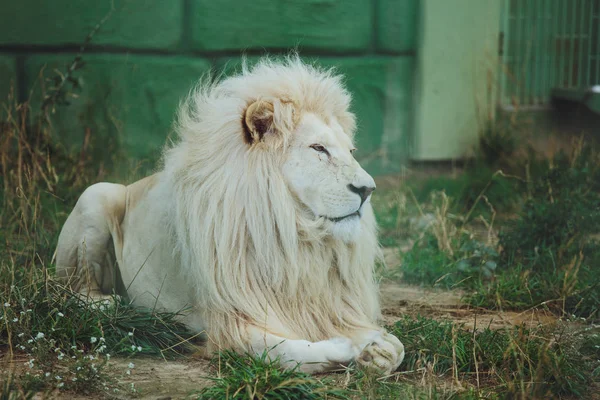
338,219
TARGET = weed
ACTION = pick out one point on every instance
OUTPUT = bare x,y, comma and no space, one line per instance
58,340
516,361
497,144
548,254
502,191
249,377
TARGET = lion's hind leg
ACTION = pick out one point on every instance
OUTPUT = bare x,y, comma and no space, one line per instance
85,254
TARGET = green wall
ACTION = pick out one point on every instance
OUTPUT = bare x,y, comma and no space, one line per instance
455,83
148,53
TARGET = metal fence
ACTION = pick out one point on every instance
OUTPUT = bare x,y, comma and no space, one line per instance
547,44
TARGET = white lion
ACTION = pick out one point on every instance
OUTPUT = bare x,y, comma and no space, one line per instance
260,221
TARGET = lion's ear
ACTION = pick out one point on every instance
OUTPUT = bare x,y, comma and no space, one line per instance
258,120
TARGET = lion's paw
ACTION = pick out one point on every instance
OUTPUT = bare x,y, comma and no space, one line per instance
341,350
383,355
388,337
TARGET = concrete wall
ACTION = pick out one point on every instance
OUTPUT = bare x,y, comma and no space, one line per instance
149,52
456,75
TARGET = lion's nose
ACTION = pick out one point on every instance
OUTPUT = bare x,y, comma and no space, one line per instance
363,191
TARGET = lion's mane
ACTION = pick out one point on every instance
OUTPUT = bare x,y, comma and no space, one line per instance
246,244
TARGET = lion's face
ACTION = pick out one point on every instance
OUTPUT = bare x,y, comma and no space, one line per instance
323,174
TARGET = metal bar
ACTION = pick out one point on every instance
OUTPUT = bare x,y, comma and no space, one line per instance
580,44
529,62
552,38
535,70
590,33
517,52
572,45
563,42
546,46
541,53
526,53
541,56
597,24
505,56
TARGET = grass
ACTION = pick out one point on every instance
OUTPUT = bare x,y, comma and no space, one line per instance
248,377
545,251
52,339
444,360
513,361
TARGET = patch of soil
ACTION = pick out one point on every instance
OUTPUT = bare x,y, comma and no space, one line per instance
156,379
398,300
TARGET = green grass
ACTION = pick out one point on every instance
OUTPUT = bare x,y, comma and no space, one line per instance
546,255
513,360
247,377
444,360
65,341
465,190
550,246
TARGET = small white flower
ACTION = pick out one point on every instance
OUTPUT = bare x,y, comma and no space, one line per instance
73,347
74,379
30,341
29,310
47,374
20,334
61,356
7,304
30,363
128,372
139,348
22,313
101,340
40,335
133,347
58,378
60,314
60,385
78,368
22,347
101,308
15,319
93,339
56,350
107,356
131,365
130,333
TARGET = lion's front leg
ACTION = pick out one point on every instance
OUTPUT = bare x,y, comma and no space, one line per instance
313,357
380,350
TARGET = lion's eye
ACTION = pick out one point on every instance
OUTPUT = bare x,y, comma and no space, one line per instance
319,148
352,151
